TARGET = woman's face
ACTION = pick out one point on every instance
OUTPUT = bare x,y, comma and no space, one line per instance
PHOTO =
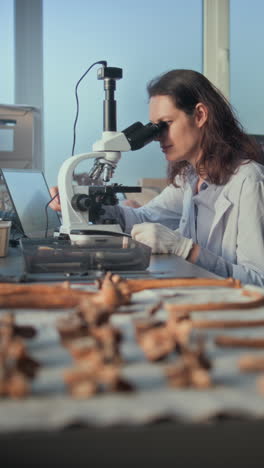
181,139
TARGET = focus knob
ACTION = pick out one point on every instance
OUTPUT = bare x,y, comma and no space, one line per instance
81,202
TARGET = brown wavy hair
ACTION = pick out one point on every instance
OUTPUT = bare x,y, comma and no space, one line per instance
225,144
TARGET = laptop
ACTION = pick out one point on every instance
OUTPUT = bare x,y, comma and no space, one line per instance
29,195
47,254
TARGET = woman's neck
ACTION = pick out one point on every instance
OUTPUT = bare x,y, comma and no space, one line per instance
200,181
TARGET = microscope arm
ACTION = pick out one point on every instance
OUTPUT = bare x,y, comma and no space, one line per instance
107,153
72,219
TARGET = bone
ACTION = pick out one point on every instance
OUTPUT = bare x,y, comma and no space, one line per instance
227,323
136,285
237,342
10,288
251,363
57,297
257,301
36,301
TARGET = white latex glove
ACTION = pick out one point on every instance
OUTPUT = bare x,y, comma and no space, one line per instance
161,239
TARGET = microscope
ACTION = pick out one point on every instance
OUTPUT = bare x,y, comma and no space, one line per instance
86,245
82,206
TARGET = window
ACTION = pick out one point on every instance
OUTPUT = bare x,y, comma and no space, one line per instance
246,63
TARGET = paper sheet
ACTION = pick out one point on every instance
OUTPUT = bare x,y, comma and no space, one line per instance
50,406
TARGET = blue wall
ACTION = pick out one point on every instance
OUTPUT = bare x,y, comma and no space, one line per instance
145,38
7,52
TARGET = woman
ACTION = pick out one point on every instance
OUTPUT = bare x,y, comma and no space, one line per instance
213,164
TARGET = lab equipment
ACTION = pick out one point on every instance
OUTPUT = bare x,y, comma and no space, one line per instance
21,137
82,206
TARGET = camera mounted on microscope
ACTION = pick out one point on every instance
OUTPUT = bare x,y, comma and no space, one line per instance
109,75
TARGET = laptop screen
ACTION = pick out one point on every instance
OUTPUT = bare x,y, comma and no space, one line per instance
29,194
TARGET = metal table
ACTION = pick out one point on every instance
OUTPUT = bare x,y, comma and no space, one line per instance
160,266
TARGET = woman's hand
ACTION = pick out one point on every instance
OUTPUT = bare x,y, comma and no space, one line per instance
55,204
161,239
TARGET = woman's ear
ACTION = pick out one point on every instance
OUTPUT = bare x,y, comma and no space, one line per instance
201,114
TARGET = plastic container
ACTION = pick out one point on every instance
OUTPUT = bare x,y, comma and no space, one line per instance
5,227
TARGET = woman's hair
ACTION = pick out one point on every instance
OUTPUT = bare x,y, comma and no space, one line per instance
224,142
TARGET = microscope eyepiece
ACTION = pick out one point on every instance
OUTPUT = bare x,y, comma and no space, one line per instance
139,135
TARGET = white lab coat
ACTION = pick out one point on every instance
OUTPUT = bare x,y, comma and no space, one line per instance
165,208
235,245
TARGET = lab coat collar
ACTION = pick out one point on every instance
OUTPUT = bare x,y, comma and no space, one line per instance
227,198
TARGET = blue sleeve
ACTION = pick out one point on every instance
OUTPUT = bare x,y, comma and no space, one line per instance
222,267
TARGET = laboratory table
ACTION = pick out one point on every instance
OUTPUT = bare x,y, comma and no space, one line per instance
153,427
160,266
